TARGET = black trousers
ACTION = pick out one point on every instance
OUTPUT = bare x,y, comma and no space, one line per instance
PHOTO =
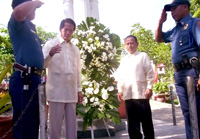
139,112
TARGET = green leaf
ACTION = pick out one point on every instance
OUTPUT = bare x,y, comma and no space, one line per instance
5,108
82,109
4,72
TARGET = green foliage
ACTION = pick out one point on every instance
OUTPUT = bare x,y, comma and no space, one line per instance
194,8
176,101
100,54
161,87
6,52
5,103
45,36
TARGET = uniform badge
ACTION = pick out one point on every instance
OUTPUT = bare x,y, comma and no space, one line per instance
199,23
185,27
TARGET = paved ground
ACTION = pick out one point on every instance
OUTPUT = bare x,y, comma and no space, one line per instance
163,123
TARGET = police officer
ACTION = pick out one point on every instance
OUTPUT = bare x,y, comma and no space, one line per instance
185,42
27,51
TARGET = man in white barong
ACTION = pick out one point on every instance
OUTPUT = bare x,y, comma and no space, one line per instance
63,86
135,82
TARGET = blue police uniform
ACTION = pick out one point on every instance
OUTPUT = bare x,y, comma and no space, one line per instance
185,39
27,51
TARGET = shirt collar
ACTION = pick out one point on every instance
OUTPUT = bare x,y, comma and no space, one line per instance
185,19
61,40
133,53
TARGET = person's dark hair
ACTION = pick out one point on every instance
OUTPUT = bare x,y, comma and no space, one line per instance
67,20
132,37
17,2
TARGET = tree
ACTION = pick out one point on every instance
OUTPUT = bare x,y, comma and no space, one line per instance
45,36
6,52
195,10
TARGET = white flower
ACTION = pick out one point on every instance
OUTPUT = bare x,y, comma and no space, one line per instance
107,48
102,43
101,31
89,90
90,85
96,38
90,50
99,45
111,55
83,33
96,103
110,45
94,48
91,32
75,41
106,36
105,94
79,32
96,91
96,99
104,56
101,107
97,23
110,88
85,83
90,40
92,99
85,101
87,47
85,42
87,94
92,27
82,51
84,57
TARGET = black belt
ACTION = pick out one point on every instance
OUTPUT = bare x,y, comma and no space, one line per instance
182,66
34,70
22,69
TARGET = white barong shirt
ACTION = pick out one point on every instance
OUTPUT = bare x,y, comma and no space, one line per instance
64,72
135,74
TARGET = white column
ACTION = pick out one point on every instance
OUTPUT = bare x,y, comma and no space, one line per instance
68,8
95,9
88,9
91,8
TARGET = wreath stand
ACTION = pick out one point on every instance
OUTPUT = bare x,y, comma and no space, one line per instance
92,129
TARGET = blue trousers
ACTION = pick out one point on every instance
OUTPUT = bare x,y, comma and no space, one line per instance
28,126
181,89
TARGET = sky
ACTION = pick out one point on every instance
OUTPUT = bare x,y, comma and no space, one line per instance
117,15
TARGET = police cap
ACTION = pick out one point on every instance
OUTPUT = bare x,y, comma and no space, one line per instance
176,3
17,2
